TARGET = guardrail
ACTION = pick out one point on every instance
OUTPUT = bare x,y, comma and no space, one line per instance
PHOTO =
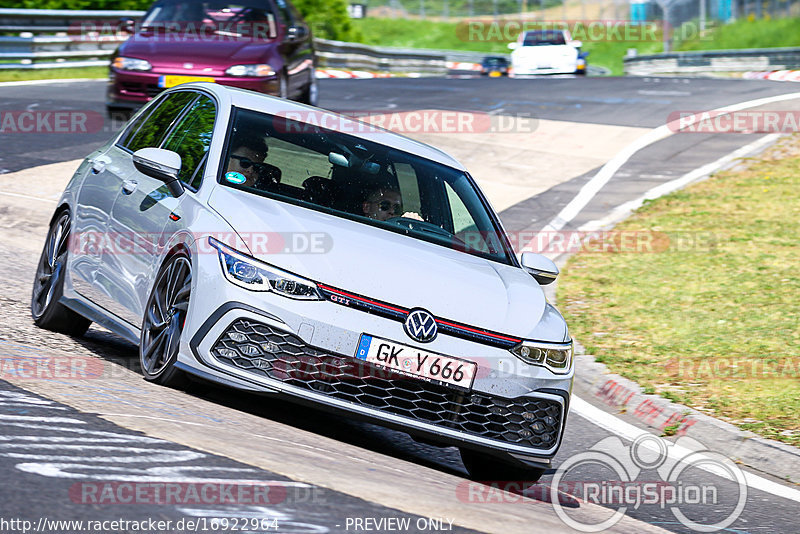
35,46
714,61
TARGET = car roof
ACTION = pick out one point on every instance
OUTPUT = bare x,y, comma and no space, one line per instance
269,104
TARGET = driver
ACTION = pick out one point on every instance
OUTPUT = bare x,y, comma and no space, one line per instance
382,204
247,158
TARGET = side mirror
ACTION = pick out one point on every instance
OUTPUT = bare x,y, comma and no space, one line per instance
576,44
162,165
540,267
297,33
126,25
513,46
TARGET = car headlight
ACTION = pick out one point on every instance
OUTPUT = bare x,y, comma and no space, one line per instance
259,71
255,275
131,63
554,356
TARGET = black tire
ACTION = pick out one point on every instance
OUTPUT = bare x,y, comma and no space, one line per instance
164,318
48,286
310,94
485,468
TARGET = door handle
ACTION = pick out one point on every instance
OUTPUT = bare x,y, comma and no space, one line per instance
129,186
98,167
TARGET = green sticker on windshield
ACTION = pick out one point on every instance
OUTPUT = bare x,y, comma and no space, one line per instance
235,177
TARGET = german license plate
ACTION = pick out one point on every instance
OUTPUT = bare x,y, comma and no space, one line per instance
171,81
417,363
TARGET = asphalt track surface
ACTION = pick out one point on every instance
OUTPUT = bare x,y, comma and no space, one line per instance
31,493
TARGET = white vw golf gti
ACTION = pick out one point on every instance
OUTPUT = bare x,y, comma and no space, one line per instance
274,247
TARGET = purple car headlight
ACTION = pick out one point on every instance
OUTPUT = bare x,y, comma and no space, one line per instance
253,71
131,63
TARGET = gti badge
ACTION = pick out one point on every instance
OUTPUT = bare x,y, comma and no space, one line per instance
421,326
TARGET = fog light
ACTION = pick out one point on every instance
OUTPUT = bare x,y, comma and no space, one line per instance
525,433
237,336
529,416
270,346
538,426
250,350
227,353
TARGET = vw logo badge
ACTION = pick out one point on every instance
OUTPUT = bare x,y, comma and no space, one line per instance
421,326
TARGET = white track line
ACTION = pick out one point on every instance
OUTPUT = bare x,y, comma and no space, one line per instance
599,180
58,80
625,430
29,197
624,210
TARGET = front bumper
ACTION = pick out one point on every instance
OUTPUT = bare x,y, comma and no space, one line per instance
134,89
530,70
305,351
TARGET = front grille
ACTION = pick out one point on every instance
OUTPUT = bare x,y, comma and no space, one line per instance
268,352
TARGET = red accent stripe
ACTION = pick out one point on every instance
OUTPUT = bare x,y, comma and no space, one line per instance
482,332
362,299
401,310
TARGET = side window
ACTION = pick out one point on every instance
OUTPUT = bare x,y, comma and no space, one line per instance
462,220
284,13
191,138
152,130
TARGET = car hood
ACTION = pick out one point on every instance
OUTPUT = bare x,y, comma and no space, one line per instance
165,53
388,266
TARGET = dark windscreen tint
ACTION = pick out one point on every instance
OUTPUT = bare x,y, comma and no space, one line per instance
361,180
236,17
152,129
543,38
495,62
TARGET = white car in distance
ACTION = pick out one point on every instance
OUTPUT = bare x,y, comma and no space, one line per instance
546,52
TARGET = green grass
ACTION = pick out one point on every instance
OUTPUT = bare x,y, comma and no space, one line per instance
409,33
12,75
710,317
746,33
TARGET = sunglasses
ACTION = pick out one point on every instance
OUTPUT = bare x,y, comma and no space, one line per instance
386,205
246,162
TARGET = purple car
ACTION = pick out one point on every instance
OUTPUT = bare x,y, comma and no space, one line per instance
261,45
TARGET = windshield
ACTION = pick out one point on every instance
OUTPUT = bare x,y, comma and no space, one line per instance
360,180
217,13
543,38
